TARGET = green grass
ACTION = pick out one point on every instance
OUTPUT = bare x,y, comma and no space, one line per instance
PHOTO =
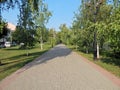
105,62
13,58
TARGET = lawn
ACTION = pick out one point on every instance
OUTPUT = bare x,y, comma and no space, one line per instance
105,62
13,58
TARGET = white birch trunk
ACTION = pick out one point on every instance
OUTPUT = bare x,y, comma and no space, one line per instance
98,56
41,43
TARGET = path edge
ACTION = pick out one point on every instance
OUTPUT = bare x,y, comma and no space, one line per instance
103,71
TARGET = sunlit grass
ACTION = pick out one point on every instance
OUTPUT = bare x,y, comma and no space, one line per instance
13,58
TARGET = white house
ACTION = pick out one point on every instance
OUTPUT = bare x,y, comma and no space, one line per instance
11,28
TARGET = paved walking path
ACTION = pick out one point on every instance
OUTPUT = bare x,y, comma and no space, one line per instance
58,69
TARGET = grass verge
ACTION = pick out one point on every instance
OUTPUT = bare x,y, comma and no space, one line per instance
13,58
104,62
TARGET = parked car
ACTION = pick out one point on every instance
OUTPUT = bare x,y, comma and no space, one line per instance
7,44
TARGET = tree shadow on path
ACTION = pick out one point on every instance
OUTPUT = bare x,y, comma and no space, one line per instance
58,51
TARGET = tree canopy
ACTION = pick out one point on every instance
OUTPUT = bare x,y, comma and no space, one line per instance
100,16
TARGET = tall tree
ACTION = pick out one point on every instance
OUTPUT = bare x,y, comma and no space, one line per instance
91,16
26,23
41,19
114,31
52,37
64,34
8,4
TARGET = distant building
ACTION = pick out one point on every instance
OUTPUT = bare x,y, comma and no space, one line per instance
7,30
11,27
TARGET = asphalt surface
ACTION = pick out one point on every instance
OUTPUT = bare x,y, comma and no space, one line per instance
58,69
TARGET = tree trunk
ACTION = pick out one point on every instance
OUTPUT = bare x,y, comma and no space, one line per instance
86,50
41,43
98,56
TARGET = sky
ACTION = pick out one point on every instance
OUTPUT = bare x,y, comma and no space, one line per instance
62,13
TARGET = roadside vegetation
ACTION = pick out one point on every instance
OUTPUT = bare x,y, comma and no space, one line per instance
14,58
31,37
108,63
96,31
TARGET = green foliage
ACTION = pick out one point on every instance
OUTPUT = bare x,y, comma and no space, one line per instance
52,37
41,18
16,58
7,4
24,36
106,63
104,20
41,32
114,31
31,26
100,17
109,63
2,25
64,34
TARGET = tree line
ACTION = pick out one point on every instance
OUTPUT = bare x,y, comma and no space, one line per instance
95,16
32,20
96,26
